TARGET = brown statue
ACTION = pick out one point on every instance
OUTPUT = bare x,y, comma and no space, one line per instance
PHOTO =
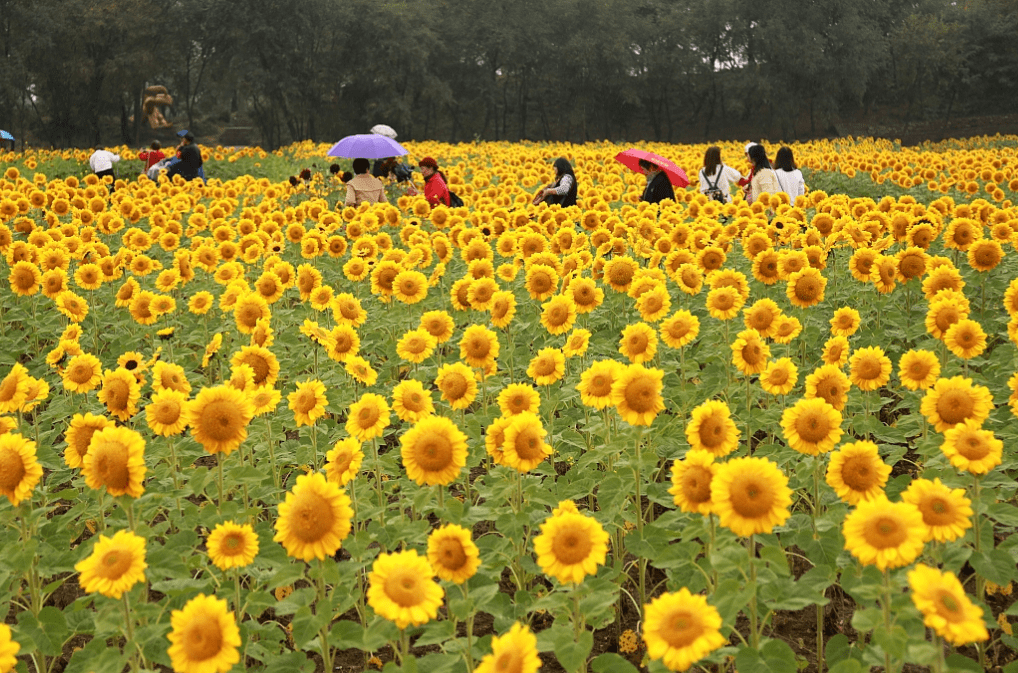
156,96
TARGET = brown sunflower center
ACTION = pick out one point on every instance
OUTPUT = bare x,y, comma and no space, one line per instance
954,406
454,386
681,629
311,517
813,427
750,497
451,554
885,532
858,474
9,387
529,443
948,606
12,470
639,396
807,289
937,511
203,639
111,464
232,545
696,484
220,420
571,546
752,354
166,412
712,431
433,452
868,369
972,446
403,587
114,564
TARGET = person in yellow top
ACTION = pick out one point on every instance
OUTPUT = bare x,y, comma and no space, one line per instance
762,177
364,186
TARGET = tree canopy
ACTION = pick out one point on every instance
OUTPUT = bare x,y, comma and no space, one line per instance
73,72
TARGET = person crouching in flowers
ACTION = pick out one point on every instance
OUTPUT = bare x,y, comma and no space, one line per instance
571,545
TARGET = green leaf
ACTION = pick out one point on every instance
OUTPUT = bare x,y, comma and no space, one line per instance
867,619
995,565
959,662
894,642
846,666
610,662
97,657
306,626
572,655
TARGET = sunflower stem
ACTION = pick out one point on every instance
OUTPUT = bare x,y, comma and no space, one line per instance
754,633
314,444
710,549
579,623
272,452
378,480
749,413
980,580
219,465
468,653
128,506
138,656
323,635
887,616
237,605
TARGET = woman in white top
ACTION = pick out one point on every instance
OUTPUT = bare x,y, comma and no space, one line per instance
715,177
763,180
789,177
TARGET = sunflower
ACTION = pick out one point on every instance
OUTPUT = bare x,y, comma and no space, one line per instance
9,649
811,426
347,310
750,495
595,385
115,565
779,377
806,287
343,461
636,394
231,545
972,449
689,278
985,255
829,383
314,519
479,347
410,287
513,652
942,315
836,351
586,295
619,272
453,554
955,400
15,386
261,360
912,263
570,546
638,343
547,367
24,279
845,322
884,273
542,281
749,352
434,451
200,302
680,629
205,637
368,417
342,343
503,308
869,368
711,429
308,402
438,324
941,278
787,329
248,310
20,470
79,435
856,472
165,414
494,438
654,304
83,373
401,588
558,314
946,512
680,329
965,338
918,369
517,398
120,393
884,533
691,479
116,460
945,606
361,370
724,303
219,418
523,446
577,342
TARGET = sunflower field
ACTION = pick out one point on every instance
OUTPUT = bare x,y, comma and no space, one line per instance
246,428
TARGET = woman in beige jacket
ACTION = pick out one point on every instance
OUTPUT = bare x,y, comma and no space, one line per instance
364,186
763,179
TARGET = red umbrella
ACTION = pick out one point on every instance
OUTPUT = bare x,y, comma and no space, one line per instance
631,159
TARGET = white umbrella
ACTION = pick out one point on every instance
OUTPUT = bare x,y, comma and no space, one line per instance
384,130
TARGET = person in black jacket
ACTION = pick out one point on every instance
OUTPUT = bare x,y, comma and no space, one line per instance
190,165
659,187
563,190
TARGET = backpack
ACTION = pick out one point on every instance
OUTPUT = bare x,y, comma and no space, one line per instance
713,193
454,200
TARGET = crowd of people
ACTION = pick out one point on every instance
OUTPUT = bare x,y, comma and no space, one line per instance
366,183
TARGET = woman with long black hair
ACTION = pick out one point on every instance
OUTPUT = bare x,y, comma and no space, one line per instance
788,174
563,189
762,177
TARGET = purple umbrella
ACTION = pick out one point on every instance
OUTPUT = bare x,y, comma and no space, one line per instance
366,146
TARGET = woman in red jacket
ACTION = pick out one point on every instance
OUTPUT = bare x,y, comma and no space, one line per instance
152,157
435,188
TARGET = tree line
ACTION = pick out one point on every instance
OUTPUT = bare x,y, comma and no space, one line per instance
73,72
